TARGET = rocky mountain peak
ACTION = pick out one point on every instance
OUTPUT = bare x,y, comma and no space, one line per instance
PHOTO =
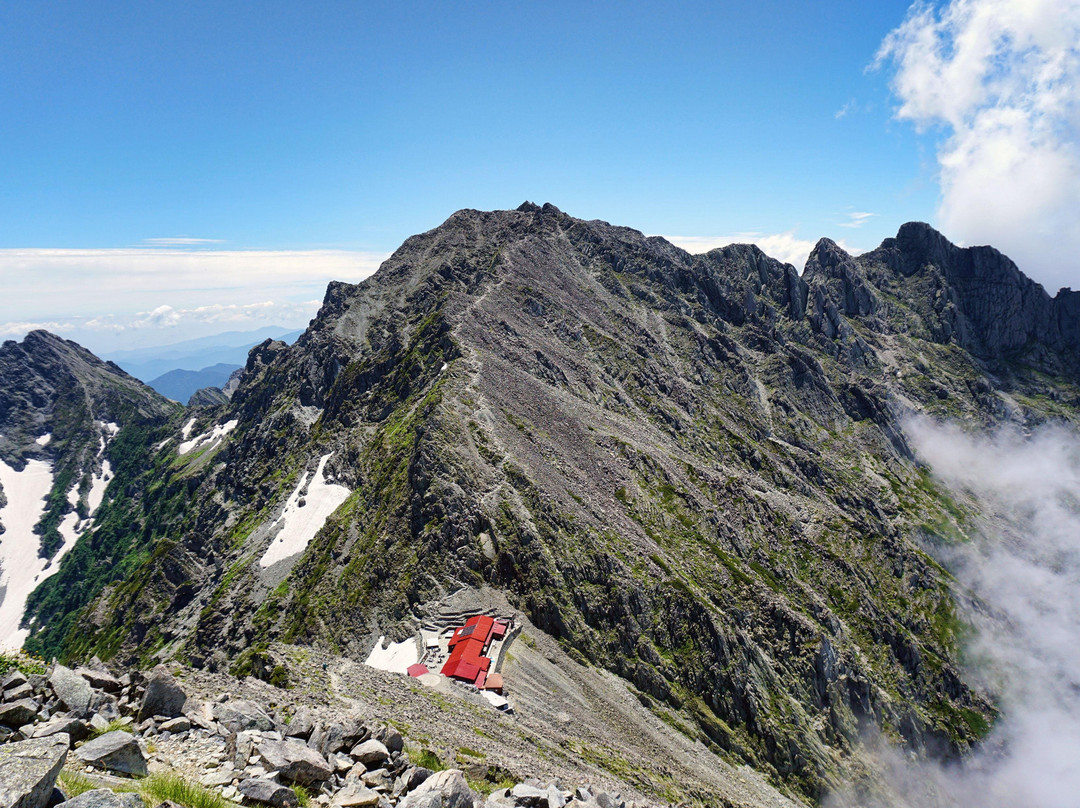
977,296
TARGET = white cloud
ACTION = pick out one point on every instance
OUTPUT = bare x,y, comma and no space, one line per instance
848,107
1003,79
19,328
857,219
785,247
1023,566
55,283
108,299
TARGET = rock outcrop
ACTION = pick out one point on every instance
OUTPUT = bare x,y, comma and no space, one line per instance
28,771
249,766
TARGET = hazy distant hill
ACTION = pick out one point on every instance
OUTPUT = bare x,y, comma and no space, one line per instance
180,385
229,348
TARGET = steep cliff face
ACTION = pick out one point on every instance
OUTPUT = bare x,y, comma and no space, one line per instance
690,470
978,298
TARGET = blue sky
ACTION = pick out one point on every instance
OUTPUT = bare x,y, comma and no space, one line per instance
167,151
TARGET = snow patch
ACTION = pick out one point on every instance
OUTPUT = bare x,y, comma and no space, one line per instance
97,487
299,523
20,568
212,438
395,657
44,439
186,431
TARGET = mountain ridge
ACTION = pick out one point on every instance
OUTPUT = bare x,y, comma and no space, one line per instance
689,470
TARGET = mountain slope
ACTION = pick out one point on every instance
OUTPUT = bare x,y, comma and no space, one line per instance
64,417
689,470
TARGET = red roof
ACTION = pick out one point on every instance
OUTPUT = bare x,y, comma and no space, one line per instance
461,669
417,670
467,646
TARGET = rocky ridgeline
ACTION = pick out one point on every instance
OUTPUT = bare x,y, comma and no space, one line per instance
105,727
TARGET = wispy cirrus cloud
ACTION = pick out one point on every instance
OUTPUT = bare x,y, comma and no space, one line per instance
857,219
1001,79
847,108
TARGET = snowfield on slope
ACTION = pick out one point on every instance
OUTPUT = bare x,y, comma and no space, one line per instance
304,515
21,569
212,438
396,657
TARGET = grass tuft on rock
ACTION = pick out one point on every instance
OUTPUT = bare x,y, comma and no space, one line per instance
160,787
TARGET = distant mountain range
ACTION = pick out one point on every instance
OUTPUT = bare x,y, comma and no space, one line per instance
180,385
229,348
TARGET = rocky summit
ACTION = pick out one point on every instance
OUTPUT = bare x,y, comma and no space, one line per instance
686,476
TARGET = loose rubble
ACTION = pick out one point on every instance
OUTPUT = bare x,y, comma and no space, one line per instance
251,754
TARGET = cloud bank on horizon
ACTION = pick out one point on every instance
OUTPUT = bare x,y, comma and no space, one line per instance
154,295
1001,80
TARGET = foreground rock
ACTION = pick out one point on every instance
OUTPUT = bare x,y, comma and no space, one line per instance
104,798
295,762
73,727
268,792
20,712
73,690
116,752
445,789
164,696
28,771
240,715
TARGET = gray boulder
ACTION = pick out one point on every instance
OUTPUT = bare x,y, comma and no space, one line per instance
28,771
104,798
303,721
18,713
354,795
239,714
76,729
295,761
73,691
181,724
13,679
411,778
445,789
23,691
391,739
100,679
371,753
117,752
269,792
529,794
164,696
